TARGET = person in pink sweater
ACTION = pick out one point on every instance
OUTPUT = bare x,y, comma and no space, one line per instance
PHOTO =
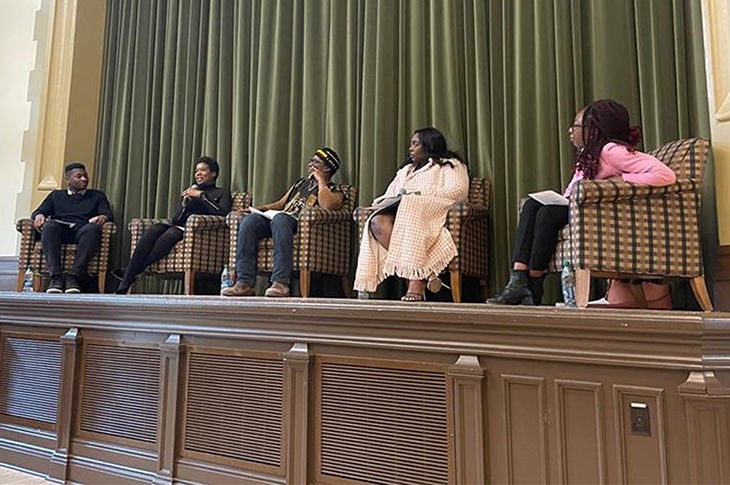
605,145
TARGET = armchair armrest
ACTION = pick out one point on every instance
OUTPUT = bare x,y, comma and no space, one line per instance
467,211
24,226
318,215
233,219
109,229
601,191
199,223
362,213
143,224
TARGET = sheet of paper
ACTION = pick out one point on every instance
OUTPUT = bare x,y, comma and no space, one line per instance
269,214
69,224
550,197
387,202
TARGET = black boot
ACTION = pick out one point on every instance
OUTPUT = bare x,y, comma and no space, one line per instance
517,291
536,288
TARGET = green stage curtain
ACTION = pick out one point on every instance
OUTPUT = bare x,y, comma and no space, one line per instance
259,84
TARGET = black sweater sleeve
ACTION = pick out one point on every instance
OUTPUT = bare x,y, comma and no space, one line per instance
212,202
104,208
46,207
178,217
218,202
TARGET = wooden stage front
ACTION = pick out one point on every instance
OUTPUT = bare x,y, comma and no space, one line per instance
152,389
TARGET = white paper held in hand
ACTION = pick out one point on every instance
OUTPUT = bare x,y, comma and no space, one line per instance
550,197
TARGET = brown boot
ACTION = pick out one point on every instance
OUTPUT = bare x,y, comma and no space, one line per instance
277,290
239,289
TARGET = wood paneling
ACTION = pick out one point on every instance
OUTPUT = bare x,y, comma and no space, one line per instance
580,422
710,423
640,458
209,390
167,435
297,362
722,279
525,428
58,468
469,450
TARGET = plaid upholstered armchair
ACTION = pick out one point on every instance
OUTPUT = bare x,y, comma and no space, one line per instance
621,230
203,249
467,223
321,243
32,257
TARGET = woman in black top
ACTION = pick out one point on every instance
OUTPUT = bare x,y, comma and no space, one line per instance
202,198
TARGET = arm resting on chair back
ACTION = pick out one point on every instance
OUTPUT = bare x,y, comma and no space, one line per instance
632,229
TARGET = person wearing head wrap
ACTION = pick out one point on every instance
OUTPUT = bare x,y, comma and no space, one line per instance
280,220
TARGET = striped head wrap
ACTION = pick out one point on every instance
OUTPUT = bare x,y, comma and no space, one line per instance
330,158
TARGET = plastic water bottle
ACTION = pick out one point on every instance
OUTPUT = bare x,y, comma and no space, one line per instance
226,279
28,281
567,277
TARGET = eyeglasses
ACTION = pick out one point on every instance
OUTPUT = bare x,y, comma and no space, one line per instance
576,125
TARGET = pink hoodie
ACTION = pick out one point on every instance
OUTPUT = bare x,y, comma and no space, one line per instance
637,167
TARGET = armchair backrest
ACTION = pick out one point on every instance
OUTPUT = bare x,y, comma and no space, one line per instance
686,157
479,191
241,200
350,193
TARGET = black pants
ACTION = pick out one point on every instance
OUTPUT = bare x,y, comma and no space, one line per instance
154,245
537,233
87,239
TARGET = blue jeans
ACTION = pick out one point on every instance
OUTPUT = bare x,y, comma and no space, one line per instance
253,229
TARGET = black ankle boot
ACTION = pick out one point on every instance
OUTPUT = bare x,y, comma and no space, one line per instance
517,291
536,288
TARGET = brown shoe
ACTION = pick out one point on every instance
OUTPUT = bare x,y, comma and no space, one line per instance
239,289
277,290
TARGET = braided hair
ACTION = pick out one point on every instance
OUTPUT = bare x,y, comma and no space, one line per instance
604,121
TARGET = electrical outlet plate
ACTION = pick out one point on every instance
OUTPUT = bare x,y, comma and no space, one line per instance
640,424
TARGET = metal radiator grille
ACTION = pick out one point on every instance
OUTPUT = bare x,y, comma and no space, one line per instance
234,407
384,426
121,392
29,380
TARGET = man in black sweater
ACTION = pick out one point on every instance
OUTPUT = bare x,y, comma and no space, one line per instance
72,216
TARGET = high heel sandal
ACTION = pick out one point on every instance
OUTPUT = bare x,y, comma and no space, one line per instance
413,297
434,283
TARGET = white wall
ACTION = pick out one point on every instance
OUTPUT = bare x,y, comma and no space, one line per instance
17,59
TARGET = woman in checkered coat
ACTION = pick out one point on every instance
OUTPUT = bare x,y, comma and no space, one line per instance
605,145
406,234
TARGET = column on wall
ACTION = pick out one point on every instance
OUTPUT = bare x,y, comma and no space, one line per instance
67,102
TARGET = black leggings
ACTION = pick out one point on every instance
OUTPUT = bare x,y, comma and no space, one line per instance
154,245
537,233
